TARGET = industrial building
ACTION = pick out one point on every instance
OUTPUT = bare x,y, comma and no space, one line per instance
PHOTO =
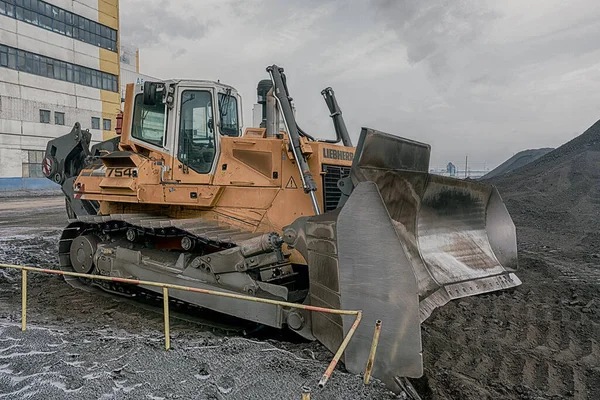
59,64
130,68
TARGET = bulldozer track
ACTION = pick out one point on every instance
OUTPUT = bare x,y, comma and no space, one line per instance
212,235
209,232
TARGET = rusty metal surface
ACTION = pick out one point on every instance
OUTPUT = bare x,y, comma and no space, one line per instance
458,234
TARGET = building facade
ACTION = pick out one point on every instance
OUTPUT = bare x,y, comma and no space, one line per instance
59,64
130,68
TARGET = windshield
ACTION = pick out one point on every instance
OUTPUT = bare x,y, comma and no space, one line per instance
149,121
229,115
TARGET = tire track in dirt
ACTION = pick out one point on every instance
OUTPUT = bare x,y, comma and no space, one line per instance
536,340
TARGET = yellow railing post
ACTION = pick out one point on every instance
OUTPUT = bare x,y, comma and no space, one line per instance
338,354
305,393
371,359
166,314
23,299
167,286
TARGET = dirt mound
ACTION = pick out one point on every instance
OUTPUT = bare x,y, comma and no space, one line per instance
535,342
517,161
539,340
559,194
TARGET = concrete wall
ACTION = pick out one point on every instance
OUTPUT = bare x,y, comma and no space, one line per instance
22,95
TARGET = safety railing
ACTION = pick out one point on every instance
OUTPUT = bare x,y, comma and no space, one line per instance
166,286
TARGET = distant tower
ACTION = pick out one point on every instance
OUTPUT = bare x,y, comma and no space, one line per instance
451,169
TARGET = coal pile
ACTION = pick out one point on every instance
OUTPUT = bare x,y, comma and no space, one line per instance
517,161
559,194
538,340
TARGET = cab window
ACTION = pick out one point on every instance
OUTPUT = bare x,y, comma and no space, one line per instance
148,121
229,115
196,131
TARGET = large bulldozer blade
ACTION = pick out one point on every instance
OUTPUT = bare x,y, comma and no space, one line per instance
466,241
356,262
403,243
458,233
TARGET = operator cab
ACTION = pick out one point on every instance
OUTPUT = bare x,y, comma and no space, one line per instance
185,119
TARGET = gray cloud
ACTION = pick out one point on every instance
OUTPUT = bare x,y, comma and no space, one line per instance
478,77
431,30
153,23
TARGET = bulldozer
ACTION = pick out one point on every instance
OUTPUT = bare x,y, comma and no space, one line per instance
184,195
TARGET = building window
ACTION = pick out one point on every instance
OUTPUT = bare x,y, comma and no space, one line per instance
59,118
32,167
106,124
95,123
3,53
55,69
45,116
63,22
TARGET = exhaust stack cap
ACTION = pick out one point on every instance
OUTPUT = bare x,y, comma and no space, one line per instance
262,89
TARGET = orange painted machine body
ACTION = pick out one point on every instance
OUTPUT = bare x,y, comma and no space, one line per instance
253,184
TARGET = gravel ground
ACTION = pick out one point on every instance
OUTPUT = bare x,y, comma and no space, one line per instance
108,363
81,345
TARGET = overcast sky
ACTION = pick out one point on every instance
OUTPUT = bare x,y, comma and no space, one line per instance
477,77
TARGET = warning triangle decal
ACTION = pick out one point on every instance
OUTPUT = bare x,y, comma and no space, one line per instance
291,184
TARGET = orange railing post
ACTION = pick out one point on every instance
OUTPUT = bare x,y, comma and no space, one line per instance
305,393
166,315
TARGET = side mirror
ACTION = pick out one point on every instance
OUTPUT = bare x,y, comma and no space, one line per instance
150,93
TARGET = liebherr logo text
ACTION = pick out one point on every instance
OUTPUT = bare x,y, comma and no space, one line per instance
338,154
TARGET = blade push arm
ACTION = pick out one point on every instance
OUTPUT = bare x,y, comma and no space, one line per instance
284,100
336,115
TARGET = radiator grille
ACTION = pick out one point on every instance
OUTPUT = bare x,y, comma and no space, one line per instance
331,192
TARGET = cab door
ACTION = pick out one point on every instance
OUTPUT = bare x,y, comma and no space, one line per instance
196,137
